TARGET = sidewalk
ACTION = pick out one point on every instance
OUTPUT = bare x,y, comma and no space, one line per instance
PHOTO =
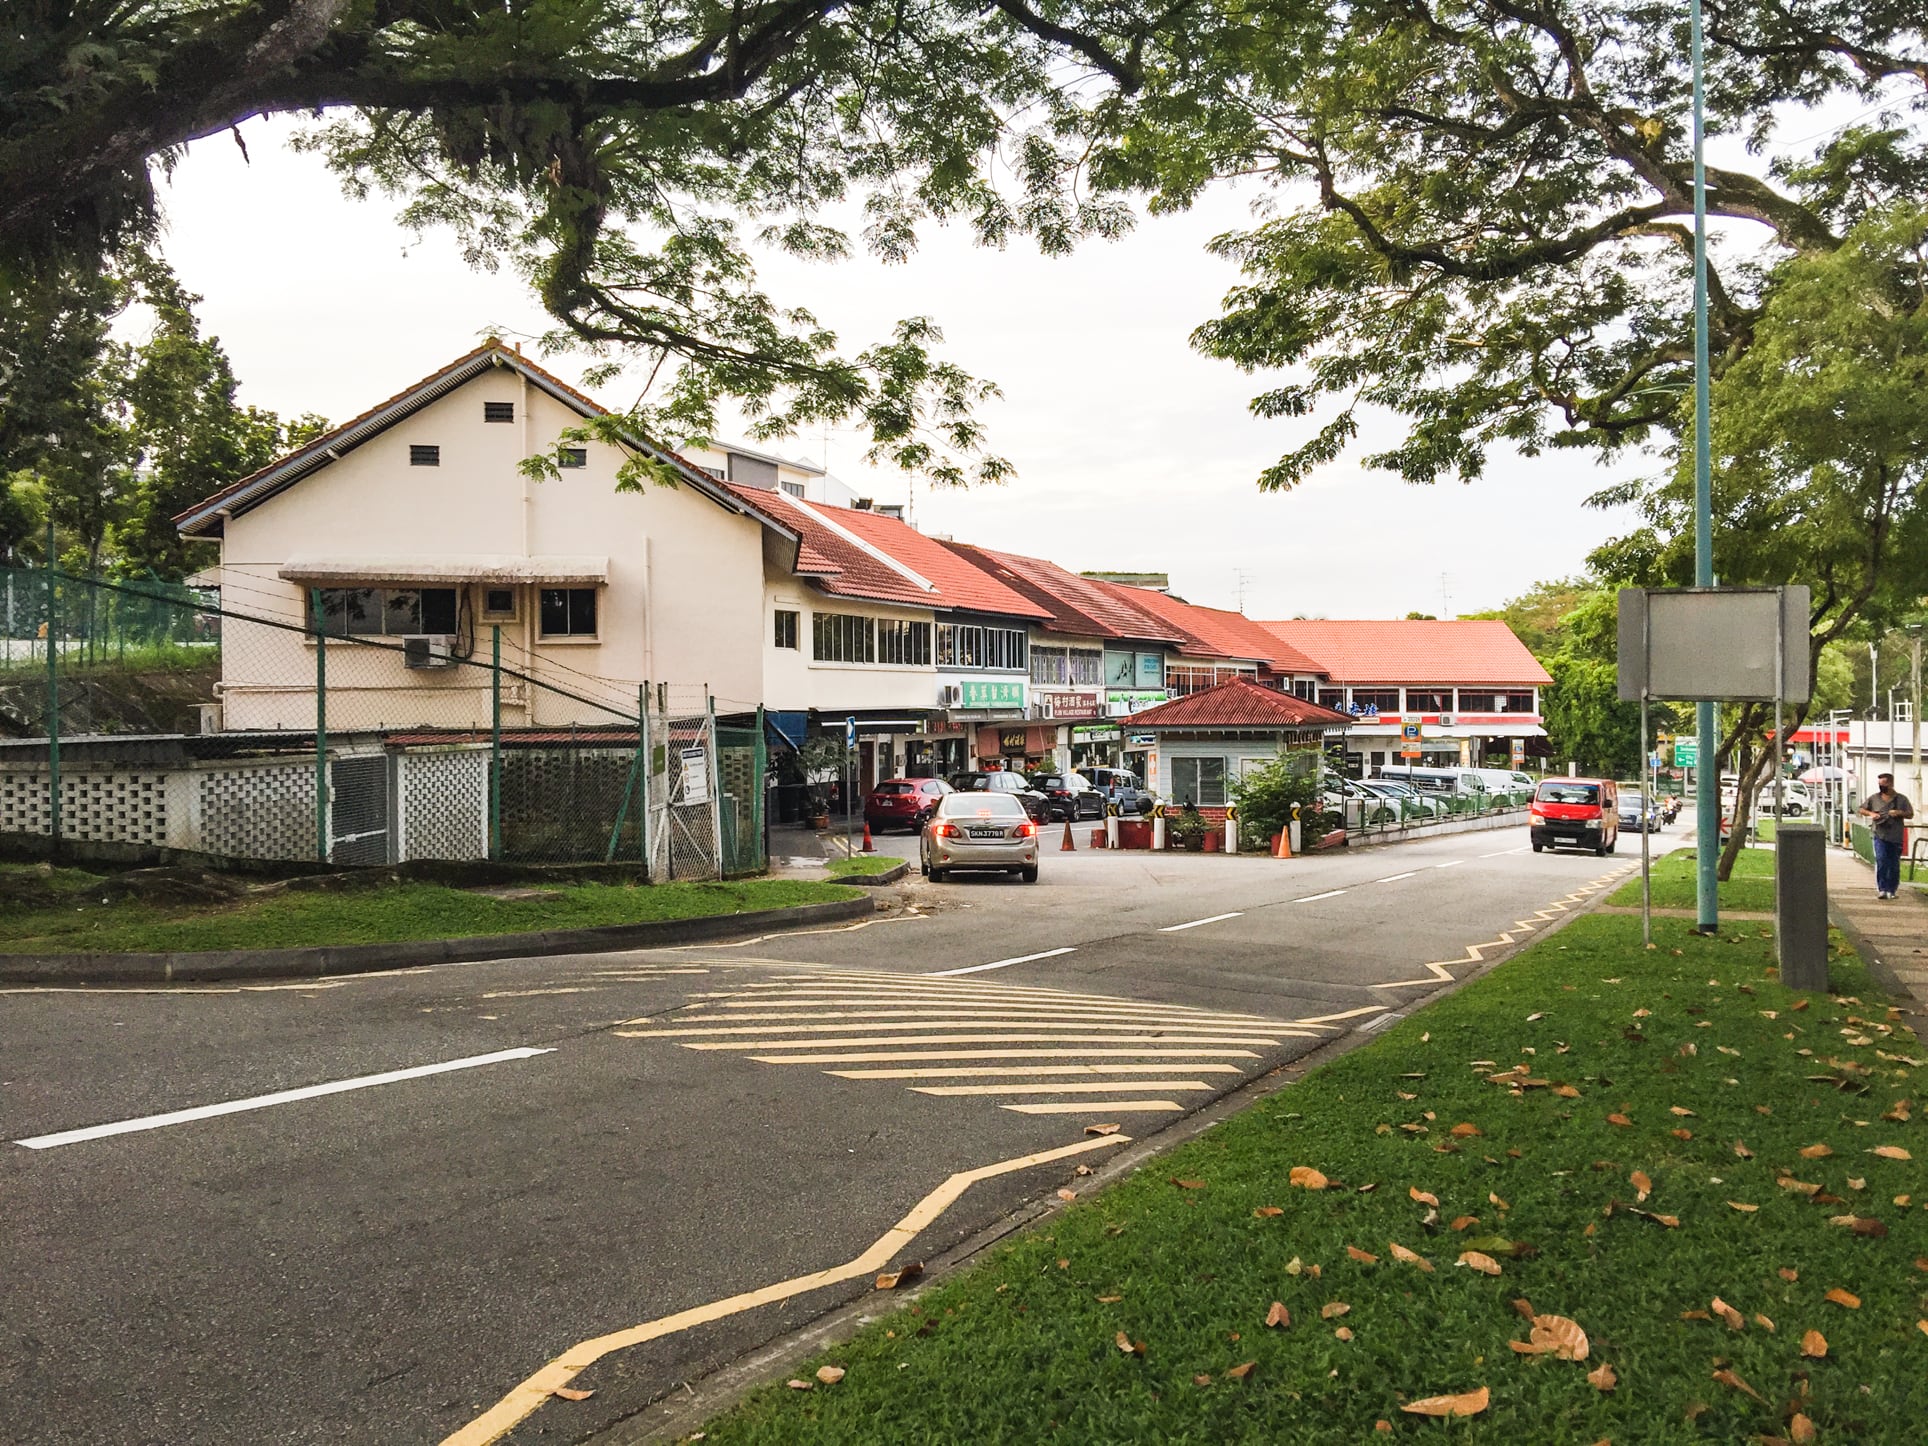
1890,935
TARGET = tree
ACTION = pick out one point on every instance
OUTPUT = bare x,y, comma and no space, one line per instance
1537,616
1586,719
1476,214
1820,440
617,153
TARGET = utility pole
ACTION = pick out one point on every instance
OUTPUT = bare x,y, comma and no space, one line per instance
1707,794
1914,706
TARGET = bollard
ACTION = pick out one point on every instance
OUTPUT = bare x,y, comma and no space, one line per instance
1158,830
1231,835
1801,904
1111,828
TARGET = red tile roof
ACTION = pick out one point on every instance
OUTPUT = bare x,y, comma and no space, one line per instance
1077,605
844,569
1466,652
1214,632
1237,704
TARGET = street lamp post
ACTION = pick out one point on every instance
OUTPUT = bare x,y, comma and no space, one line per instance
1707,794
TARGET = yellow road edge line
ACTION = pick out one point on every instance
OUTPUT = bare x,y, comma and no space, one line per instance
529,1395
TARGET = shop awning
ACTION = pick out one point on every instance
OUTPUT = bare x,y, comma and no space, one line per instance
791,728
444,568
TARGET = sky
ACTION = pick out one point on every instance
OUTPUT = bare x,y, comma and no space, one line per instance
1131,451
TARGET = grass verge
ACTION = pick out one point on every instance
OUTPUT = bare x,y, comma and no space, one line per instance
71,919
1750,890
1544,1108
863,864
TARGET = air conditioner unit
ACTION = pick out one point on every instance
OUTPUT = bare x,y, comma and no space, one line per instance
432,650
950,695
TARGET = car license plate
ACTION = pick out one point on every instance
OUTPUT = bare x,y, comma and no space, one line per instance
986,833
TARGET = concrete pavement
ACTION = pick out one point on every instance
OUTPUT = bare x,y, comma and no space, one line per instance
384,1262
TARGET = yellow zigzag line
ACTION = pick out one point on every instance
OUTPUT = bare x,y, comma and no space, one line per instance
1439,971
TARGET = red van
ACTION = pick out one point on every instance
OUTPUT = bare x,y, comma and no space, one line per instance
1582,813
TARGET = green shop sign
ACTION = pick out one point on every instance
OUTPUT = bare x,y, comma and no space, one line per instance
993,695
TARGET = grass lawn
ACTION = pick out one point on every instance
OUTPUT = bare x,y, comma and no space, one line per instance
1535,1106
1750,890
76,922
864,864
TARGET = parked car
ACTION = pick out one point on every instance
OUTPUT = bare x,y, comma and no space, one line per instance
1120,786
1412,802
1795,798
1359,804
1006,782
979,829
903,802
1068,796
1575,813
1636,813
1437,780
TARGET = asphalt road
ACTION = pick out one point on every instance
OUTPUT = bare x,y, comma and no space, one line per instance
619,1138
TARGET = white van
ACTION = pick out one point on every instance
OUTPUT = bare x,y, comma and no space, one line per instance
1437,780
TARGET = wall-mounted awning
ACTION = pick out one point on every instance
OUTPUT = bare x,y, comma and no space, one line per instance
445,568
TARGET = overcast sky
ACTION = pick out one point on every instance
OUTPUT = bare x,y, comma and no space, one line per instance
1131,450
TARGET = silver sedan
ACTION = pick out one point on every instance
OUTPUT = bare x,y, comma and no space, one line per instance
981,831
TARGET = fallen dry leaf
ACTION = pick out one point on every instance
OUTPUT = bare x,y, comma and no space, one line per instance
1788,1182
1523,1308
1364,1257
1127,1345
1735,1320
1465,1220
796,1385
1763,1322
1382,1426
1424,1197
1891,1152
1681,1134
1740,1148
891,1279
1566,1092
1469,1403
1278,1316
1411,1257
1103,1129
1109,1299
1266,1212
1602,1378
1740,1205
1800,1430
1307,1178
1815,1152
1787,1272
830,1375
1474,1260
1728,1378
1843,1298
1465,1130
570,1393
1343,1333
1201,1380
1333,1309
1200,1184
1679,1110
1067,1194
1560,1337
1641,1183
1618,1119
1492,1199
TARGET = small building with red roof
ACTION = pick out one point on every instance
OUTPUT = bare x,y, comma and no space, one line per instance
1469,686
1204,740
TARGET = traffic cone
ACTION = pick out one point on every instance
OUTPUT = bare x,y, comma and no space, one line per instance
1284,850
1068,846
869,847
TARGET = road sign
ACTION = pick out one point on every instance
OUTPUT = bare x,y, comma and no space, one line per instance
1686,753
850,732
1409,731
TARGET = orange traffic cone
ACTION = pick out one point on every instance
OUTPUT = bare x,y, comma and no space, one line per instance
1284,849
1068,846
869,847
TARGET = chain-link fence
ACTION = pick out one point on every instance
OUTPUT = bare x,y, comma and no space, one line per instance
355,725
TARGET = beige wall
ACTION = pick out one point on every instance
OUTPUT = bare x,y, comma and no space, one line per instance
680,605
793,681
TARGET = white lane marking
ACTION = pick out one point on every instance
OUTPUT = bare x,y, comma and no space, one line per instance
1216,918
1450,864
914,1009
1314,898
895,1055
1031,1071
999,964
966,994
1349,1014
1107,1087
1395,878
1503,853
1093,1107
1040,1037
280,1097
935,1020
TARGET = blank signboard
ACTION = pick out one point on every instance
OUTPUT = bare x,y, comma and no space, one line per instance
1714,643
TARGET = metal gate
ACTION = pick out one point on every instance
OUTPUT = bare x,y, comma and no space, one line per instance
358,813
684,821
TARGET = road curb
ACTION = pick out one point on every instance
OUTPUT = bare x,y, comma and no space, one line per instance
675,1415
888,876
325,960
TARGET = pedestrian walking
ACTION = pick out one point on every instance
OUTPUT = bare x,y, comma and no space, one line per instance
1890,812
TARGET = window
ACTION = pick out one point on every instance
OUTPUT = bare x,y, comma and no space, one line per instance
420,455
785,635
716,472
961,645
568,612
1429,700
1048,665
904,642
387,611
572,457
1087,667
842,638
795,489
1518,702
1199,780
1334,698
1479,703
1385,700
498,411
498,604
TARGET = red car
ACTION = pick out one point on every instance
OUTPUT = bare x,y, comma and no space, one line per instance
904,802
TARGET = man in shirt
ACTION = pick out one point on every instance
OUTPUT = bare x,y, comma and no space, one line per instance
1889,812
